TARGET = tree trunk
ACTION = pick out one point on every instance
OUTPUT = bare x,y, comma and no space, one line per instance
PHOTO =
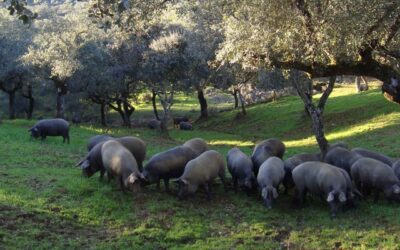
11,105
318,129
203,104
164,123
31,105
365,82
103,114
166,102
60,105
125,110
316,114
235,95
358,84
122,114
242,104
29,114
153,101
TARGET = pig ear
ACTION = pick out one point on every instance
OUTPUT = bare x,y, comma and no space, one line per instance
274,193
141,176
264,193
342,197
331,197
132,178
396,189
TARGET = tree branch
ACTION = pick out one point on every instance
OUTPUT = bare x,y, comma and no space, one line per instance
394,28
327,92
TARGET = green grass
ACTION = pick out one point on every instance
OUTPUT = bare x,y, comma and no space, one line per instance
46,203
186,105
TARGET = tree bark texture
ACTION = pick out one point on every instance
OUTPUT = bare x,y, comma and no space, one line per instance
103,114
235,95
203,104
316,113
153,101
242,104
125,109
31,104
11,105
60,104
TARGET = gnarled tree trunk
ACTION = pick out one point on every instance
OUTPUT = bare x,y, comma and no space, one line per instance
242,104
235,95
166,102
316,113
11,105
125,109
103,114
203,104
60,104
153,101
11,88
31,105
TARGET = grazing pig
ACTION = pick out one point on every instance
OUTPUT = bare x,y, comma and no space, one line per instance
50,127
266,149
167,165
370,174
93,141
136,146
178,120
341,158
93,163
202,171
294,161
185,126
241,168
322,180
119,162
154,124
352,192
198,145
374,155
270,175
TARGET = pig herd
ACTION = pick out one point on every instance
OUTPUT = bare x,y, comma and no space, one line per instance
345,175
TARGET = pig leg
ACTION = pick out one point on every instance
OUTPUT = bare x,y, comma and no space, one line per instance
235,184
166,184
207,189
259,192
277,187
158,185
121,184
101,174
300,195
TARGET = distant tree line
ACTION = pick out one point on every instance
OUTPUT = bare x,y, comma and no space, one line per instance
164,46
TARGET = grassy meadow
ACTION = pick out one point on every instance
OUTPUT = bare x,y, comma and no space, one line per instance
46,203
